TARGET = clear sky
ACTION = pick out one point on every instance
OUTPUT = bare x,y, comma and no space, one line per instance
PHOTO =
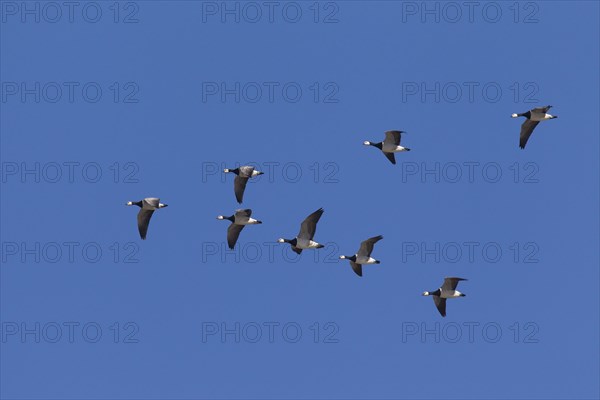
105,102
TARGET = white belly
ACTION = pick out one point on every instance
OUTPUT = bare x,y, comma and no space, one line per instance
306,244
449,294
540,116
245,221
392,148
365,260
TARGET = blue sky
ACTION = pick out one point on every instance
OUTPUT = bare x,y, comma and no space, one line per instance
148,116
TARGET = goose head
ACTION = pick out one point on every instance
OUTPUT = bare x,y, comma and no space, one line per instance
514,115
351,258
426,294
235,171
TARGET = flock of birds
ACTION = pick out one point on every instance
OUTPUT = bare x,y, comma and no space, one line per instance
308,227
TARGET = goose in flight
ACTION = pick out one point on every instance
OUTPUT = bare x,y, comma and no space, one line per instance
533,118
238,220
304,240
390,145
147,208
239,183
363,256
447,291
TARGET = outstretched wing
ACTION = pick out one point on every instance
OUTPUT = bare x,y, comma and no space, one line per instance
366,247
393,137
526,131
233,233
357,268
143,219
239,185
451,283
390,156
440,303
309,225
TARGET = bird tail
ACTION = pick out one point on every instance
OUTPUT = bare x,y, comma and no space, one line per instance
407,149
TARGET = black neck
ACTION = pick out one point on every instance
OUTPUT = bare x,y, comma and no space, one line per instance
351,258
378,145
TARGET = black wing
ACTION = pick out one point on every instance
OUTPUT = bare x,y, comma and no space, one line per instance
366,247
143,219
296,250
393,137
233,232
526,131
440,303
357,268
239,185
309,225
390,156
451,283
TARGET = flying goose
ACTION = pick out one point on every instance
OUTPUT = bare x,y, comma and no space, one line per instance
238,220
533,118
147,207
390,145
306,234
447,291
363,256
239,183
